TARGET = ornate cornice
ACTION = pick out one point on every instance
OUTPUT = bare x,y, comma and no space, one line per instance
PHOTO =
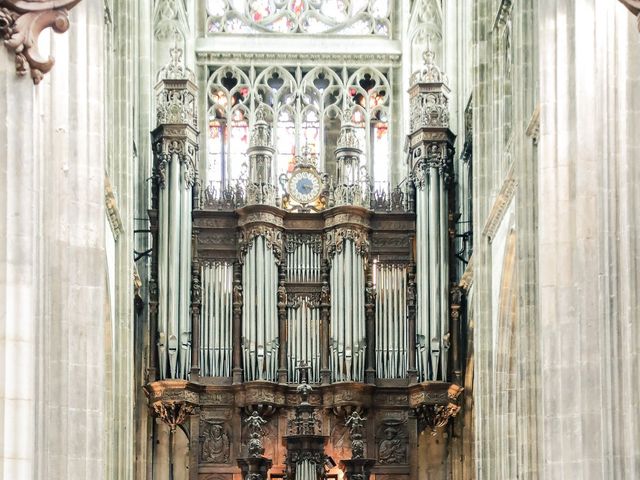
634,7
22,21
262,58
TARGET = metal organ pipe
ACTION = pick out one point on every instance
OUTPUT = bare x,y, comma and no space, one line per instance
185,273
163,279
259,315
216,319
422,281
347,342
444,277
391,321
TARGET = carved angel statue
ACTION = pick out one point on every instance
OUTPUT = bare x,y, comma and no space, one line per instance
355,422
255,422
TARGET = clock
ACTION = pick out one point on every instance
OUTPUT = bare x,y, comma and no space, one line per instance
304,186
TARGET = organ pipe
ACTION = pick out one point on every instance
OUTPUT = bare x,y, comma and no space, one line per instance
175,146
347,342
431,152
259,316
216,319
391,321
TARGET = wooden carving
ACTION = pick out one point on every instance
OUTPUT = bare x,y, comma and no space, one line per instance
215,444
22,21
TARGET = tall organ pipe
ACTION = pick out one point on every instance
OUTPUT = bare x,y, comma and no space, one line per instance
260,318
444,276
216,319
163,279
347,340
391,321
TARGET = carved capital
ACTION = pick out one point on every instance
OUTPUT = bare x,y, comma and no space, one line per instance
634,7
173,413
435,416
436,155
22,21
334,240
272,236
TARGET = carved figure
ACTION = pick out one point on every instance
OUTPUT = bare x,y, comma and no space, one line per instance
254,423
391,449
325,294
282,296
237,294
215,444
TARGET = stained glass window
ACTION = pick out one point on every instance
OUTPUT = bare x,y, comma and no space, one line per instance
343,17
304,106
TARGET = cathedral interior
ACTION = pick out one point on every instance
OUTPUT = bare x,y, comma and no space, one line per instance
319,239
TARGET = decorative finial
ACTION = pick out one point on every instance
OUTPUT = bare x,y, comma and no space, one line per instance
175,69
430,72
347,116
261,115
429,56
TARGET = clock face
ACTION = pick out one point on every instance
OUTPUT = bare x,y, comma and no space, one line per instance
304,187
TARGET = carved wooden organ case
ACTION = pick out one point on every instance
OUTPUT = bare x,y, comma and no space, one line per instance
301,331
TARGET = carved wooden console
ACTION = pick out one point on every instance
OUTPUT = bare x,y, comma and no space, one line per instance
219,435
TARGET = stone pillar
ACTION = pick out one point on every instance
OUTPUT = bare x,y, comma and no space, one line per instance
52,257
589,252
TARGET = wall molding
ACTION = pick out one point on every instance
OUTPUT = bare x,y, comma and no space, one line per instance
506,195
111,209
533,129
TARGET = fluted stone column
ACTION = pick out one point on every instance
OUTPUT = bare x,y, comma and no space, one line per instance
589,212
52,259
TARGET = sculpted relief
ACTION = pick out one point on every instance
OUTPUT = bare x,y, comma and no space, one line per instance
392,444
214,443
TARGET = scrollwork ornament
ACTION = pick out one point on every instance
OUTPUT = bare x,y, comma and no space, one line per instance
335,240
22,21
272,236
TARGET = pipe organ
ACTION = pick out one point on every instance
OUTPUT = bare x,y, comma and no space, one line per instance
391,320
347,333
175,147
216,319
431,144
285,316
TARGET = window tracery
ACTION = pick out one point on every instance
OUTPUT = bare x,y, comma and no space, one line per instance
304,107
342,17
